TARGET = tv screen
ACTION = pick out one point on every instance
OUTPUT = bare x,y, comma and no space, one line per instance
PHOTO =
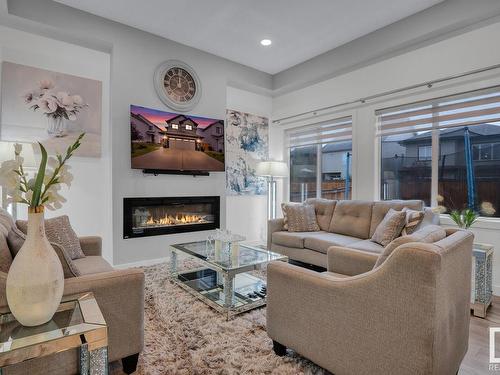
166,141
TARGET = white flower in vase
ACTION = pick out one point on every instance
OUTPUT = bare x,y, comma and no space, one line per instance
36,260
56,106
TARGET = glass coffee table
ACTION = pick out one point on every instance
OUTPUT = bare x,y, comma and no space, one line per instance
223,282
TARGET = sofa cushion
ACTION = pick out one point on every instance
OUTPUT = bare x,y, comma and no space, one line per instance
321,241
390,227
300,217
6,224
58,230
381,208
427,234
352,218
413,220
367,245
92,264
324,211
289,239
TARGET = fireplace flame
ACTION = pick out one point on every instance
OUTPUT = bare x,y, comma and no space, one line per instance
175,220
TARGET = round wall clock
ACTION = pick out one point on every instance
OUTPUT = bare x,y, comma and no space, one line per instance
177,85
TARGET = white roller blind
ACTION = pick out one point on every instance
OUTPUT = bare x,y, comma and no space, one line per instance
326,132
467,109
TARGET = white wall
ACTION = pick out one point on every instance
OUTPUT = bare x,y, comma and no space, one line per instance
247,215
466,52
89,198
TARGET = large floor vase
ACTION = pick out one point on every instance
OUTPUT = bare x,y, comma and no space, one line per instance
35,281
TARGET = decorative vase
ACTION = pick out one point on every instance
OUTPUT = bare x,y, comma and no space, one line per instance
56,126
35,281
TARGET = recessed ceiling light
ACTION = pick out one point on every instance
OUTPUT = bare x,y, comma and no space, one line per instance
266,42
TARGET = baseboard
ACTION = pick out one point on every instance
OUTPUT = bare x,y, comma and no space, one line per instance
141,263
496,290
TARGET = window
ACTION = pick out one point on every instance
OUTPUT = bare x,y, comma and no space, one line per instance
444,151
320,160
486,151
424,152
218,130
189,127
175,126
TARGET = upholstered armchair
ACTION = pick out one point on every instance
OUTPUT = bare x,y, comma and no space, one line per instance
120,296
409,315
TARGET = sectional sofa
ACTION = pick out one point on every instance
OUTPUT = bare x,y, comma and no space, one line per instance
348,224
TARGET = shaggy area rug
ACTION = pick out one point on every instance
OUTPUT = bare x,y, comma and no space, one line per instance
183,336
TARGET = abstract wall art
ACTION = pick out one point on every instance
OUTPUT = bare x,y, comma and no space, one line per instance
247,143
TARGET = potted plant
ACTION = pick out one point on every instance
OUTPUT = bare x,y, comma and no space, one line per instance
35,280
465,218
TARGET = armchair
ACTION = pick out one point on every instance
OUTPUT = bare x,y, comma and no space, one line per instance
410,315
120,295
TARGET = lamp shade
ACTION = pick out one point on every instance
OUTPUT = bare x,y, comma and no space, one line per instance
271,168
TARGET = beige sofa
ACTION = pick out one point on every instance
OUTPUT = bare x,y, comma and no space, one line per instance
348,223
120,295
409,315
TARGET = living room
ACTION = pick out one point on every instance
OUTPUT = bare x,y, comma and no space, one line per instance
370,126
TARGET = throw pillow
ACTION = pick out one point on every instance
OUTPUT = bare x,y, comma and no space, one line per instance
5,255
390,227
413,220
427,234
58,230
300,217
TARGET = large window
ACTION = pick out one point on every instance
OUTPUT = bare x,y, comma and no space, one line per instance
445,151
320,161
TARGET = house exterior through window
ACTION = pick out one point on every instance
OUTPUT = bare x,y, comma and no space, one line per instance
320,159
444,151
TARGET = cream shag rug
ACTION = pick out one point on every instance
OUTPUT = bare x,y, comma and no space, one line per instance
186,337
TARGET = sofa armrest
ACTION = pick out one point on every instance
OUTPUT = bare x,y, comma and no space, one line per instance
120,296
273,225
350,261
91,245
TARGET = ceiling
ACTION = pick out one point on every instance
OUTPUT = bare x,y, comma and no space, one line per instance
232,29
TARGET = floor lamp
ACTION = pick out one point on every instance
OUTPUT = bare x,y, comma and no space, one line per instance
272,170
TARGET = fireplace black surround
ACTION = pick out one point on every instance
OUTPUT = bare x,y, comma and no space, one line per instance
167,215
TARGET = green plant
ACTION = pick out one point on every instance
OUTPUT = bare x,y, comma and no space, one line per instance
465,218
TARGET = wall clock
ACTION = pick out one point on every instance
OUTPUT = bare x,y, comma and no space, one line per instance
177,85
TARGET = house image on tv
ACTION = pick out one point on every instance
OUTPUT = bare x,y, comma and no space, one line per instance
180,133
213,136
144,130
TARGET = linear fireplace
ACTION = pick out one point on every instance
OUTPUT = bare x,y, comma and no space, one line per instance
168,215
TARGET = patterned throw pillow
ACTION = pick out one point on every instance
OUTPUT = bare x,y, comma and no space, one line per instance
413,220
390,227
300,217
58,230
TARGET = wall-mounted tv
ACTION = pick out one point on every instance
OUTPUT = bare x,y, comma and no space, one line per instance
173,142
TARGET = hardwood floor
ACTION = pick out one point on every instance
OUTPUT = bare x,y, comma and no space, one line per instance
476,360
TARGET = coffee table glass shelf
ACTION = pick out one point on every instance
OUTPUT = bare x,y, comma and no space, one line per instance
78,323
223,280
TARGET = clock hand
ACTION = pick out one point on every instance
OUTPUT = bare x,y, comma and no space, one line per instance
179,83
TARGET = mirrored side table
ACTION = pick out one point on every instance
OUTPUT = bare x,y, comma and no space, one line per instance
78,323
481,279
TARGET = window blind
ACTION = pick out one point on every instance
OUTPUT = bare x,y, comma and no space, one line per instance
326,132
467,109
